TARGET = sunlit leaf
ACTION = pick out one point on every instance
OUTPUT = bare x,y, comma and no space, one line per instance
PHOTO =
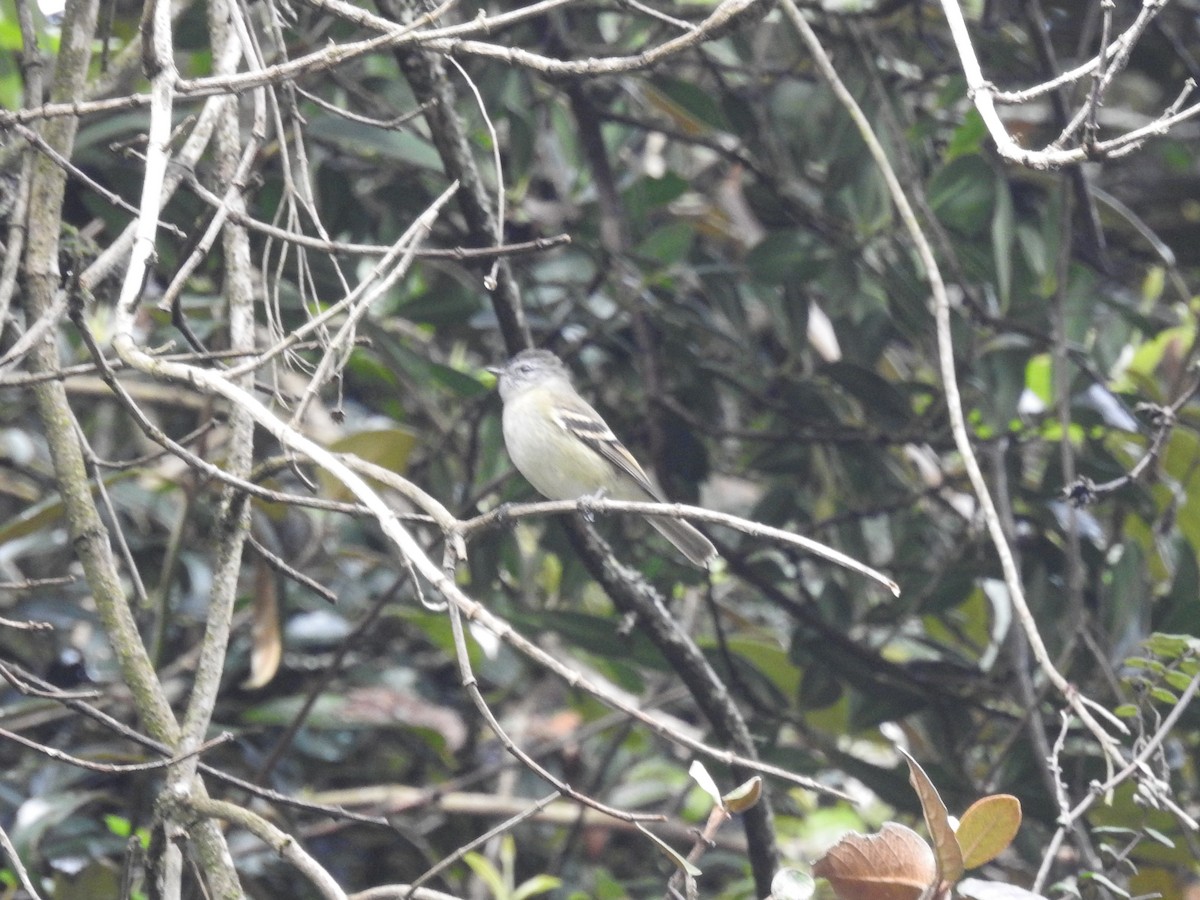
792,884
538,884
977,889
744,796
386,447
486,872
700,775
987,828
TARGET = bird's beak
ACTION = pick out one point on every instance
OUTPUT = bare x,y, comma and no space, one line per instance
495,370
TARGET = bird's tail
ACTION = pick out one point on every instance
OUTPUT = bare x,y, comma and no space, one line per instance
687,540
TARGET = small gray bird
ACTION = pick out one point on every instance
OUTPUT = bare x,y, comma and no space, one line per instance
566,451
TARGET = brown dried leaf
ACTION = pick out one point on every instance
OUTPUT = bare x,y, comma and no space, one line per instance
895,864
987,828
267,650
937,820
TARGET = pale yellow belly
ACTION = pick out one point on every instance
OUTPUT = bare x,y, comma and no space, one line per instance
550,459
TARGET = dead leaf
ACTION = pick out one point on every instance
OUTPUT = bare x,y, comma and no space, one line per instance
937,820
895,864
267,650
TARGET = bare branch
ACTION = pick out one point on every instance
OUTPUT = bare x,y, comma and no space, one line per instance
19,867
280,841
114,768
756,530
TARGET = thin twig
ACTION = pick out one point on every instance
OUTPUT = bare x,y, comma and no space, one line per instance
460,254
503,827
471,686
114,768
280,565
14,860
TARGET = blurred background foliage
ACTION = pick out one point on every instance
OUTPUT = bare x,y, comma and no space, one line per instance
739,301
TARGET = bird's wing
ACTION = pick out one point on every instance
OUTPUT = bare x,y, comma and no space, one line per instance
585,423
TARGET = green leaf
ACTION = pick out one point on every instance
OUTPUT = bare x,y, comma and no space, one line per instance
883,404
1162,695
818,688
386,447
368,142
1003,370
987,828
464,384
1179,608
785,256
968,136
668,245
1105,882
1171,646
670,853
486,872
646,195
1039,378
962,195
538,884
1149,354
118,825
1178,680
693,107
1140,662
744,796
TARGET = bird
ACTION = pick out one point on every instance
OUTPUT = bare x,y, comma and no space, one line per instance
567,451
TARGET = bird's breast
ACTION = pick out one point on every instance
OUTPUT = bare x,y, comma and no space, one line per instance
555,462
